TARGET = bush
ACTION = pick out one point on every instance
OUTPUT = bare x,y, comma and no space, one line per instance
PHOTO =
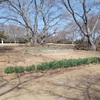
9,70
64,63
43,66
59,64
22,40
30,68
82,46
19,69
53,65
67,63
98,48
2,35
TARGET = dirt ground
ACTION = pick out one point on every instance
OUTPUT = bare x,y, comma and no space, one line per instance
79,83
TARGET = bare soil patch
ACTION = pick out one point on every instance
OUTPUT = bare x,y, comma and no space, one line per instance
79,83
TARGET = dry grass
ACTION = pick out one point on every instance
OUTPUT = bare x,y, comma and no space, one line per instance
79,83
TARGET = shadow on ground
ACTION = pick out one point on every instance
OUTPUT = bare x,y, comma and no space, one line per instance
5,49
86,88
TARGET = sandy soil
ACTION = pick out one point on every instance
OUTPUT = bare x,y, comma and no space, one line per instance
79,83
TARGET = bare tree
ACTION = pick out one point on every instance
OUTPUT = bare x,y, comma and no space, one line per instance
14,33
71,31
81,16
3,1
18,13
24,13
49,17
40,18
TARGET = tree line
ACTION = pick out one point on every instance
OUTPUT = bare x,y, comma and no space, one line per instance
54,18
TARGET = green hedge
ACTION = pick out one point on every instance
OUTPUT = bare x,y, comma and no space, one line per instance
30,68
19,69
9,70
67,63
52,65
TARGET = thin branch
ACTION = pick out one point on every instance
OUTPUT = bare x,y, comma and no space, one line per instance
95,25
12,19
73,14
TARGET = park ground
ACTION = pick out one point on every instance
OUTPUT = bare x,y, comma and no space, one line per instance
77,83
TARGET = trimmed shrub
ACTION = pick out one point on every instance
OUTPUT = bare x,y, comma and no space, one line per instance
67,63
30,68
53,65
43,66
19,69
9,70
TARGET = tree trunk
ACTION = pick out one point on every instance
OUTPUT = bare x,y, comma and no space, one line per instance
35,39
91,43
31,41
